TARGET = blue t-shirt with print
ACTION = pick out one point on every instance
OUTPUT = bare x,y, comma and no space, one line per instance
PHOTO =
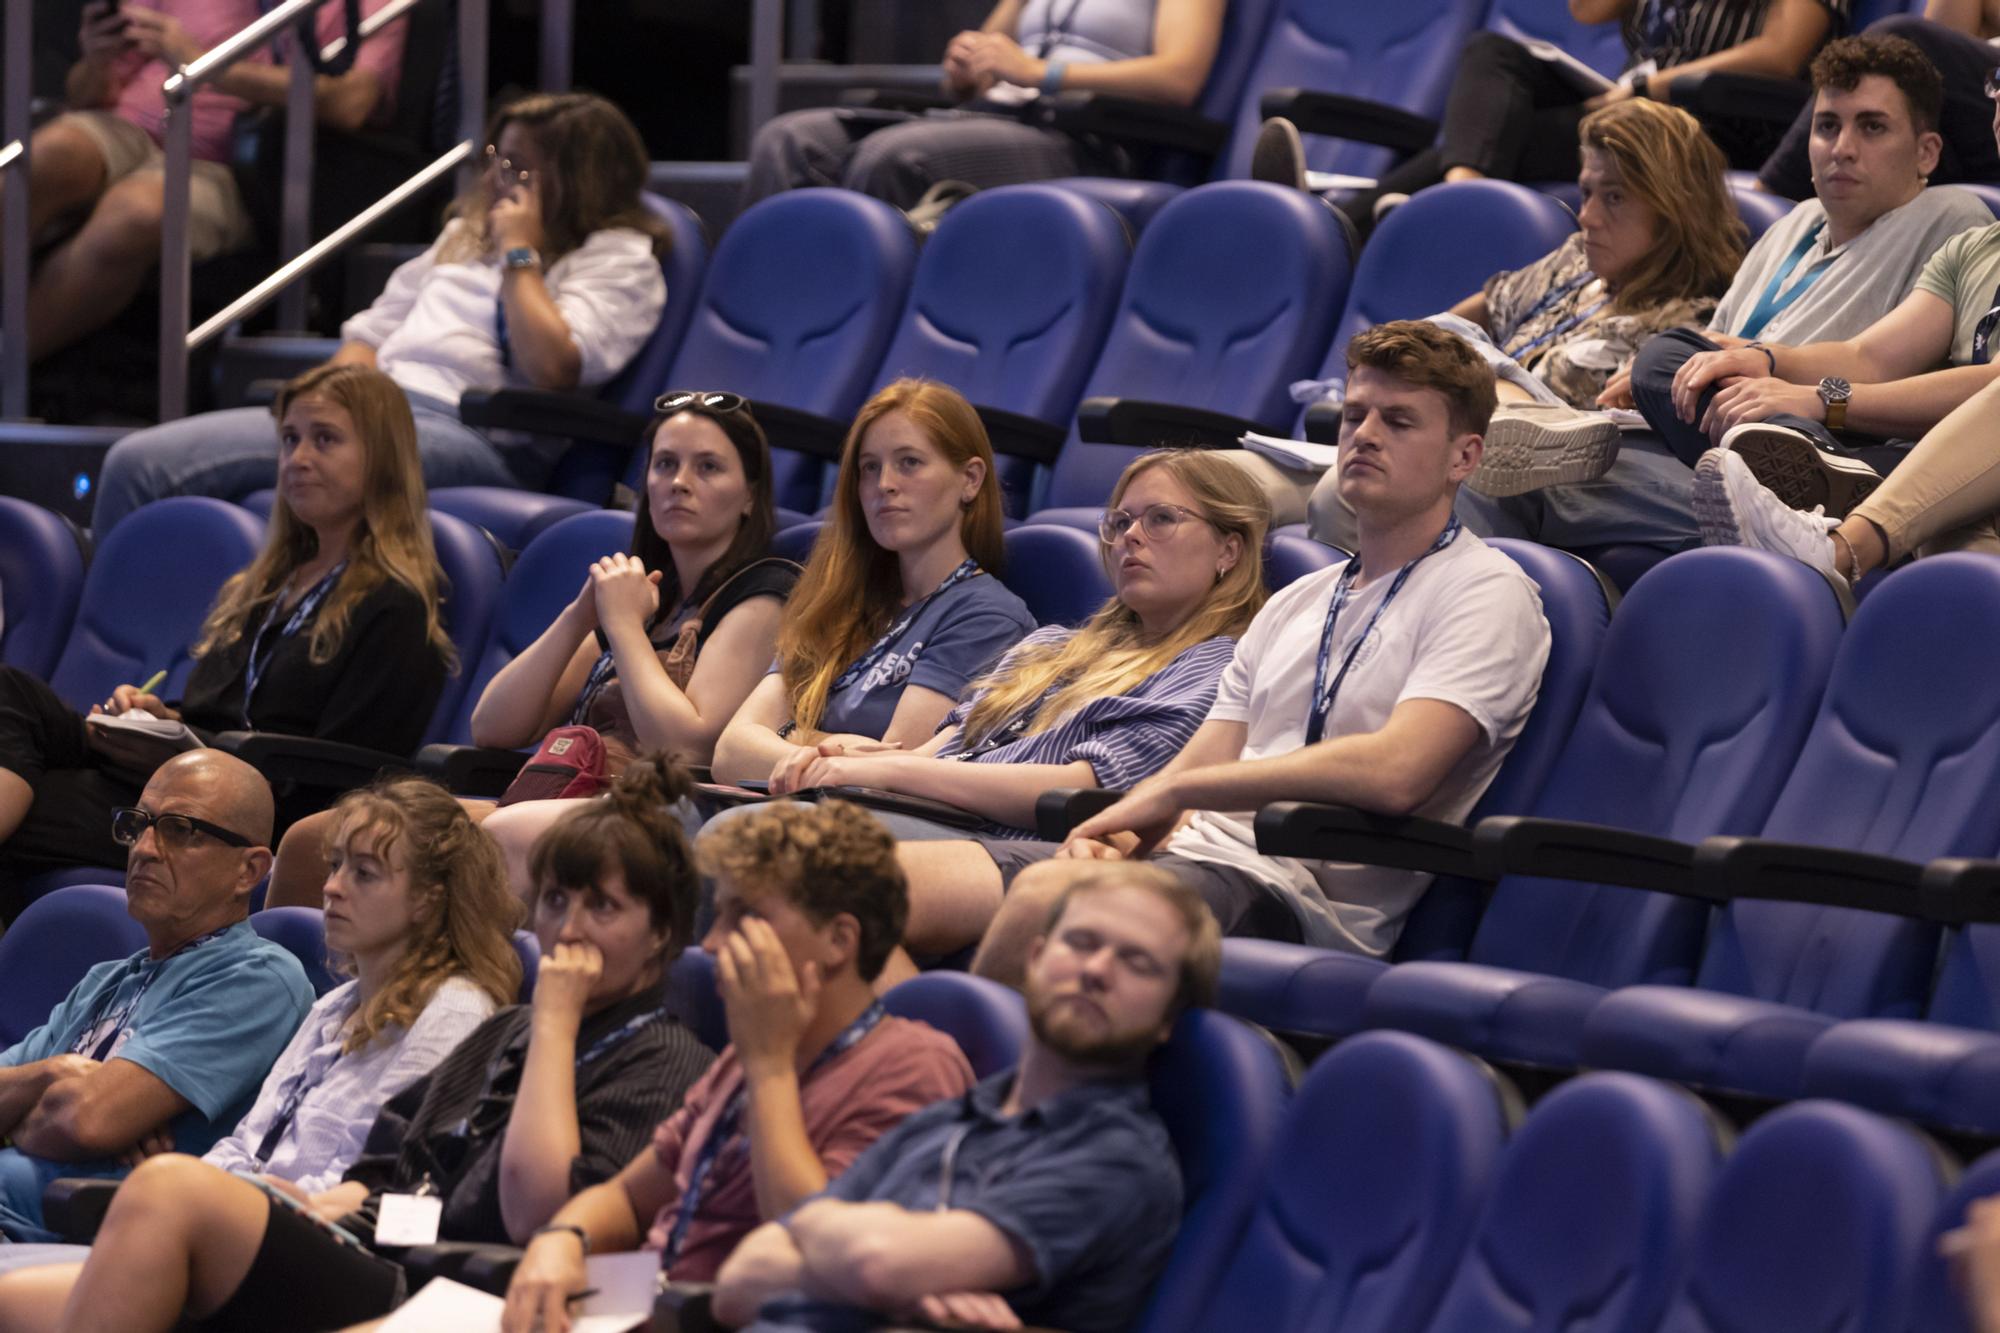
210,1024
955,637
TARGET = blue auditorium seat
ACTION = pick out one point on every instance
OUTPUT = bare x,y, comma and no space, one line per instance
1222,1089
56,939
302,932
796,542
529,950
1988,195
986,1019
473,574
515,518
1598,45
1010,304
1818,1221
1057,571
1362,1216
1759,210
1901,762
694,1000
1706,685
1940,1306
1289,557
1592,1212
140,613
1232,294
41,581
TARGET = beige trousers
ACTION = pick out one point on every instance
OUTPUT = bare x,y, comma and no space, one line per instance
1946,494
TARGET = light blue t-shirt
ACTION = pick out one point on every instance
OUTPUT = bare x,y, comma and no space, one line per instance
954,638
209,1025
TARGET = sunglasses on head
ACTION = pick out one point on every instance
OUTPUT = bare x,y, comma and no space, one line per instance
676,400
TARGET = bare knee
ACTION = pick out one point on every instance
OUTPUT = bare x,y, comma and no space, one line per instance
125,225
66,160
300,871
1023,915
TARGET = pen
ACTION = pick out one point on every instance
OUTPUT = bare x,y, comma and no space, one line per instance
581,1295
152,683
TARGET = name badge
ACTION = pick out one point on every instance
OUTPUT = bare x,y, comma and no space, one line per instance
409,1219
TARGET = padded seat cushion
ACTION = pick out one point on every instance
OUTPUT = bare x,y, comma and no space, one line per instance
1498,1012
1928,1072
1723,1043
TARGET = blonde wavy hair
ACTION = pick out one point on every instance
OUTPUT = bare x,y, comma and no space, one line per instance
394,540
1111,653
851,589
462,912
1665,158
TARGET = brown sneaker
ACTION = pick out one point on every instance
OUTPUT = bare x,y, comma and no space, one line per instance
1796,470
1533,445
1279,156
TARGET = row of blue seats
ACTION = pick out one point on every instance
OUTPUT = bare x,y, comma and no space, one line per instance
1401,1187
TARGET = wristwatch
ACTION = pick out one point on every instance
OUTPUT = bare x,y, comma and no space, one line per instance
522,256
1835,392
583,1237
1640,83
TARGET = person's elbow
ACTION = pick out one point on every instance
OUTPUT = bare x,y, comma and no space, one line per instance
559,369
884,1273
752,1272
1403,786
72,1125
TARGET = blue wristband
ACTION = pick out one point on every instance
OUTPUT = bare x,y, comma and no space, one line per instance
1052,80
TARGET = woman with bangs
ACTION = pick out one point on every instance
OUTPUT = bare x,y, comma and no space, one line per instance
1100,706
900,606
332,631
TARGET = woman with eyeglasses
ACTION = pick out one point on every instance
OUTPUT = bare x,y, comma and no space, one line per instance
546,276
539,1102
1100,706
659,647
900,605
333,631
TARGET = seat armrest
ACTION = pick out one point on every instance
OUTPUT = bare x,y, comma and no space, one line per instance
1017,436
472,770
1341,117
569,416
1975,885
1323,423
685,1307
1593,853
896,99
1130,121
309,761
800,431
476,1264
1834,877
74,1208
1342,833
1060,809
895,802
1148,425
1725,94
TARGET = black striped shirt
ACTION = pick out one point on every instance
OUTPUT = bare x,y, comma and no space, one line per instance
1673,32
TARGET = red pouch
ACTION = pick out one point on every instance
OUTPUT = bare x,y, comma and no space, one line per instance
569,762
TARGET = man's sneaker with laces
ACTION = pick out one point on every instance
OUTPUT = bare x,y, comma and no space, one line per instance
1798,471
1279,156
1532,445
1735,509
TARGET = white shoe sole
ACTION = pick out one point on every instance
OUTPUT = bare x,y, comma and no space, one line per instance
1525,455
1713,512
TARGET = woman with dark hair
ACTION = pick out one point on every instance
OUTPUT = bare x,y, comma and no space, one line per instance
546,276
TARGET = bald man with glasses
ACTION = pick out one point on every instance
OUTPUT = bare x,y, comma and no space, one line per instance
163,1050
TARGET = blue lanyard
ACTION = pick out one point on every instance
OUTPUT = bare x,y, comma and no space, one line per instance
1324,694
725,1128
100,1049
262,652
1548,299
866,662
1982,333
1016,726
1772,303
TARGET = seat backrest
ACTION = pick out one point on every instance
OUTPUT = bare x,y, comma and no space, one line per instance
1988,195
1817,1221
1403,55
544,579
1759,209
1381,1165
474,575
1705,686
1010,304
802,296
51,944
796,542
693,999
301,931
1221,1088
1598,45
1939,1306
529,950
1232,295
1441,247
1058,571
1592,1212
1902,761
986,1019
41,581
140,613
1289,557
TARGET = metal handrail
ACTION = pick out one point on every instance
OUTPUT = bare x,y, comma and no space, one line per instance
16,151
212,63
371,25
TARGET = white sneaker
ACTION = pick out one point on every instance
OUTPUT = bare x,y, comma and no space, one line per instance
1735,509
1533,445
1798,471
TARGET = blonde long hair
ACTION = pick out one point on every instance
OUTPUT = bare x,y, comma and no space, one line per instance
394,540
851,589
1666,158
1110,654
462,912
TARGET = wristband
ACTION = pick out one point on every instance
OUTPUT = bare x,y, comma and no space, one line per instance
1639,84
1052,78
1769,356
582,1236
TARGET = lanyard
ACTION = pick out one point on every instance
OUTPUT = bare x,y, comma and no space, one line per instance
1773,303
1982,333
598,1048
295,1096
1550,298
725,1128
866,662
948,1162
100,1036
1324,694
1057,30
261,652
1014,727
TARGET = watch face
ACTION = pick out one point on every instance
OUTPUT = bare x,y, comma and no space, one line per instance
1833,389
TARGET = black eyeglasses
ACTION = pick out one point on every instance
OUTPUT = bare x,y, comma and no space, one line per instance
176,831
674,400
1160,522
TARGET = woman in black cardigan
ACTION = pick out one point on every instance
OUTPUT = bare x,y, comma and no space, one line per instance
332,631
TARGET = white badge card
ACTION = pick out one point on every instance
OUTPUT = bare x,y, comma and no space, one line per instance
408,1219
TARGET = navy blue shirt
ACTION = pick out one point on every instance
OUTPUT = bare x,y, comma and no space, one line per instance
955,638
1087,1184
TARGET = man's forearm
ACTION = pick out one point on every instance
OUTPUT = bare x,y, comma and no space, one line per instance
20,1088
54,1127
1361,771
766,1264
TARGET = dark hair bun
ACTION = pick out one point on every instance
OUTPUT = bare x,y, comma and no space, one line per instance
649,782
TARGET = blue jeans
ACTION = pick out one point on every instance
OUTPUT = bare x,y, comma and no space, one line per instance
231,453
1646,498
23,1178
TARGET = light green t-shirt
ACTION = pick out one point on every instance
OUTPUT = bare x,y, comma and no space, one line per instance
1966,272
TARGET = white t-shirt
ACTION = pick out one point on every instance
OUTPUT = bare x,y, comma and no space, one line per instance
1466,629
436,327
